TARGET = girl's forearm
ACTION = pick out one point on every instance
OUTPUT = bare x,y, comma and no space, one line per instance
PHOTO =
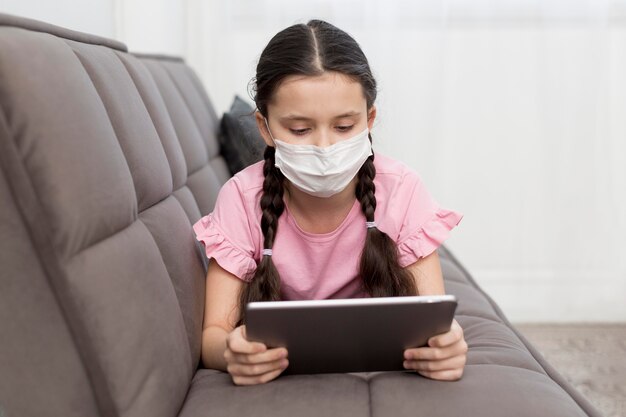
213,348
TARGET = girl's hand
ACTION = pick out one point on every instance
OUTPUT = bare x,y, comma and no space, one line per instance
443,358
251,363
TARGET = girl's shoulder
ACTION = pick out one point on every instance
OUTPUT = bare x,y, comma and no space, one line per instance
248,181
242,192
393,173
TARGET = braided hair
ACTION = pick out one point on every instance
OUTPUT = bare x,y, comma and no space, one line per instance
312,49
264,285
379,267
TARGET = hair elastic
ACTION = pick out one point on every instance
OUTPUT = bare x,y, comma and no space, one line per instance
370,224
267,252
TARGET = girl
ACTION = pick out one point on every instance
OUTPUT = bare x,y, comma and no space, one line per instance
322,216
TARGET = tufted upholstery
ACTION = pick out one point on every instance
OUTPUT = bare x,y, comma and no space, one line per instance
107,159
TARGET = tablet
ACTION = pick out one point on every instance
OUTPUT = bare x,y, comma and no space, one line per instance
349,335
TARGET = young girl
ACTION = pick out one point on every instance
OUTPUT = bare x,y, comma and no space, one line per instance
322,216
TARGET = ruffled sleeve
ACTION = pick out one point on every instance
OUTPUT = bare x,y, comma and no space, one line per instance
225,233
425,225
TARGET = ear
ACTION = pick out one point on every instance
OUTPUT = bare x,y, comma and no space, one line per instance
260,122
371,116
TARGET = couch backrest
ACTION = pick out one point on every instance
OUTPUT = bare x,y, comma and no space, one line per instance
107,158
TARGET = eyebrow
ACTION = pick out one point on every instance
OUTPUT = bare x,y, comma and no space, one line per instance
292,116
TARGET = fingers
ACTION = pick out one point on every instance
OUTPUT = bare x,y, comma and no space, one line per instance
450,337
455,362
256,373
262,379
441,346
257,369
240,350
261,357
237,342
252,363
444,358
437,353
448,375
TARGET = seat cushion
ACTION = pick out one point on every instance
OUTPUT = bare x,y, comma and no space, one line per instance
213,393
485,390
107,159
502,377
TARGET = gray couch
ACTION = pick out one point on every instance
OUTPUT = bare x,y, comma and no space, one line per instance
106,160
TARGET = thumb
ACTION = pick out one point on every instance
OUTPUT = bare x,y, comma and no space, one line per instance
257,346
432,342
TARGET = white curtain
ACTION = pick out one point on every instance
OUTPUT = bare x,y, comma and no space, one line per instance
513,112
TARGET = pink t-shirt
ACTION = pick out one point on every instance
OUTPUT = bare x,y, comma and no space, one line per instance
322,266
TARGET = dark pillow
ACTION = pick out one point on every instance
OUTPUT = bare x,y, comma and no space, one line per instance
239,137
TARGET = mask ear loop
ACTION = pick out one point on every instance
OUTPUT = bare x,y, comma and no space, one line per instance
269,131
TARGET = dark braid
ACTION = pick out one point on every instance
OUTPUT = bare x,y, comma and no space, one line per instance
264,284
365,189
272,202
381,273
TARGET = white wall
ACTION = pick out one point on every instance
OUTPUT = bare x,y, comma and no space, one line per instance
152,26
93,16
512,111
155,26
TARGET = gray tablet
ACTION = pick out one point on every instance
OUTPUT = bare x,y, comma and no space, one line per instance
349,335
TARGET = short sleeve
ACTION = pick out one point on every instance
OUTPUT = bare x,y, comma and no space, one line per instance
425,224
225,232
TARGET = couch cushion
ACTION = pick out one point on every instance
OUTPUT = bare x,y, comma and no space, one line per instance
108,158
503,377
484,390
240,140
213,393
37,344
487,347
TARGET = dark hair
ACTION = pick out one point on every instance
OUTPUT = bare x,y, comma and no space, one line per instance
311,49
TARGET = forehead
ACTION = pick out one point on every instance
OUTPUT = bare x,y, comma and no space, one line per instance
319,97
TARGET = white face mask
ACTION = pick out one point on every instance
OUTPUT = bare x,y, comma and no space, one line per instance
322,172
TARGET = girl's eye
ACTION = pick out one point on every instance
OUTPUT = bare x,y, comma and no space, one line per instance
344,128
298,131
